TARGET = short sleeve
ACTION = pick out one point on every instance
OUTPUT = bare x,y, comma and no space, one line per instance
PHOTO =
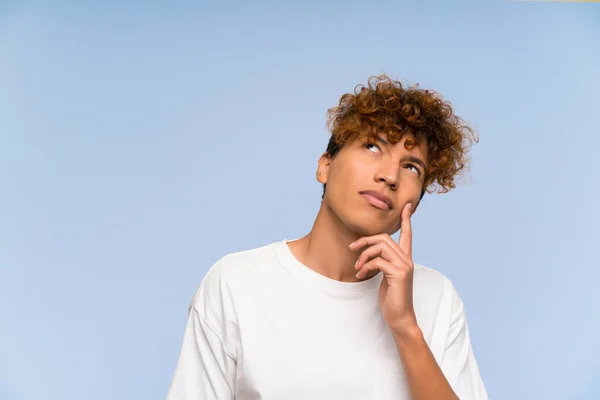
458,362
206,368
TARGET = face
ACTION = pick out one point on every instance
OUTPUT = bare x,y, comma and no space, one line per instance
370,182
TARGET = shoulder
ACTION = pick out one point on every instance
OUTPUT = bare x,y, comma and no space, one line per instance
439,308
430,281
235,270
436,296
434,282
243,264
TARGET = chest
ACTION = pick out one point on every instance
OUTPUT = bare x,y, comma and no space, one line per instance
304,347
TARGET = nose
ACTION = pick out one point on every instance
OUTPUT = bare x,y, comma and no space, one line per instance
388,173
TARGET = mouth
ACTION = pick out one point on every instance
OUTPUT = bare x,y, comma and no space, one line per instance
377,200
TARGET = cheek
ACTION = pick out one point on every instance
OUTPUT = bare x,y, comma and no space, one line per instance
410,192
412,183
346,174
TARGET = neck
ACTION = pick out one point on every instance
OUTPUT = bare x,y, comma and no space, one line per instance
325,248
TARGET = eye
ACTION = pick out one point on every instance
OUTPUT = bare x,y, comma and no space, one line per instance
417,170
372,145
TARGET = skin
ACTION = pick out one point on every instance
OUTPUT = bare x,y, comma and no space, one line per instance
345,216
350,241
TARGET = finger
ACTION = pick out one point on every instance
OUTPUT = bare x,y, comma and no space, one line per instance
372,240
380,249
384,250
405,239
382,265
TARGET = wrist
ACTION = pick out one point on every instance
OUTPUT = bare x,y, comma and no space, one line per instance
410,332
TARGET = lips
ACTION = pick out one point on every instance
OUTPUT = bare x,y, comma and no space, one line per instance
378,200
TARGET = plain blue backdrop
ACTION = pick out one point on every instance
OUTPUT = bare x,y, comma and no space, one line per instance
142,141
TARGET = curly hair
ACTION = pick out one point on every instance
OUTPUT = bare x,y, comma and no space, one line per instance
386,106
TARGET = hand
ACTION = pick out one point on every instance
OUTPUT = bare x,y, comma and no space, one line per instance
394,260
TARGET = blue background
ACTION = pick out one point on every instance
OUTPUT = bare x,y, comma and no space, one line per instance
142,141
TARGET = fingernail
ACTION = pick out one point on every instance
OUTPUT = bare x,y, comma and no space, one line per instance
409,206
351,244
355,264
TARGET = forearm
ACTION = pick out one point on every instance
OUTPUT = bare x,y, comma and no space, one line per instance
426,380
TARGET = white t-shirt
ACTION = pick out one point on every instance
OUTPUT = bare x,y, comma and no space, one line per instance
264,326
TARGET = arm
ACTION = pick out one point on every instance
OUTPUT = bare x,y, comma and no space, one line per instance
204,370
425,378
457,374
207,363
458,360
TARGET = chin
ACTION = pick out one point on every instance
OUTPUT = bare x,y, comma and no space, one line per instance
363,221
367,225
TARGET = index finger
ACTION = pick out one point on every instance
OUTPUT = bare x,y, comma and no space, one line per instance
405,239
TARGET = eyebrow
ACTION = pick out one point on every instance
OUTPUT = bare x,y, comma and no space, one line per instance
382,140
414,159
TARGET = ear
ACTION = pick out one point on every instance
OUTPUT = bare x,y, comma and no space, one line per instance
323,168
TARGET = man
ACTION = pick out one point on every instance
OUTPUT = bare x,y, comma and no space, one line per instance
344,313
